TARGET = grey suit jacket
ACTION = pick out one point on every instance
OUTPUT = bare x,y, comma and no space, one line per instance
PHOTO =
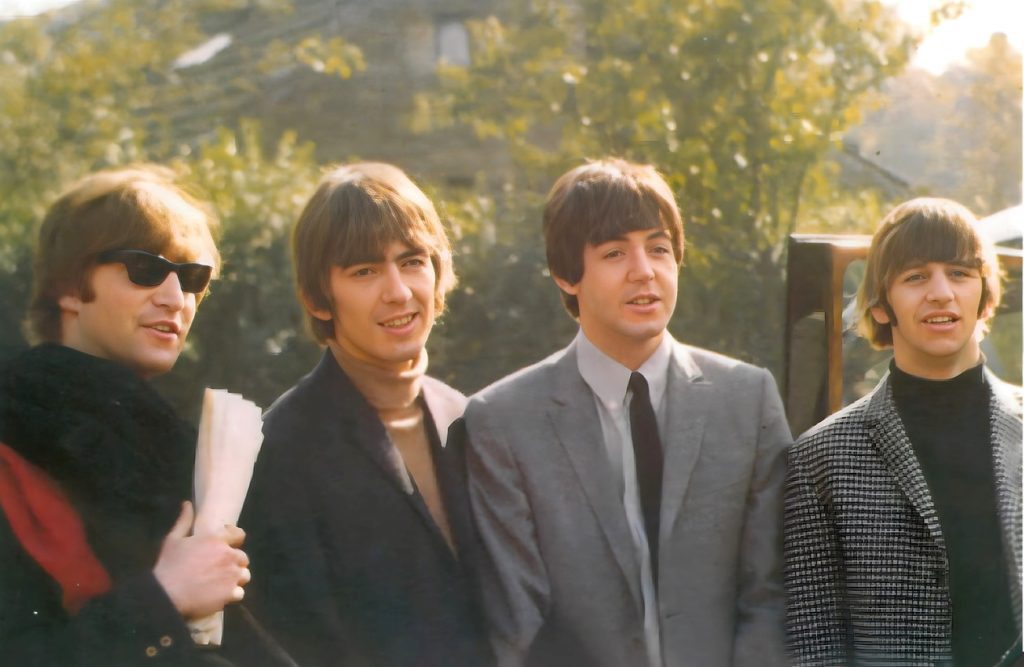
866,572
560,576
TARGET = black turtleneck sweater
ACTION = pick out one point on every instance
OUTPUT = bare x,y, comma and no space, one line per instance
947,422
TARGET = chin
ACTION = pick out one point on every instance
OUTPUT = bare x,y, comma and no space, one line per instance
400,354
644,332
152,367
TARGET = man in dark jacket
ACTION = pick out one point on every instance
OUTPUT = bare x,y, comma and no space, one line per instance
96,563
903,510
357,519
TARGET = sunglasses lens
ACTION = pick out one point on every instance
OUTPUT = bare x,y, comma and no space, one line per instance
147,270
194,277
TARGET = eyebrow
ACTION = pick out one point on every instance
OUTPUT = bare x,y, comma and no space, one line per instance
658,233
379,258
918,264
411,252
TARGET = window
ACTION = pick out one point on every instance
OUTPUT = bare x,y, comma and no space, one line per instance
452,42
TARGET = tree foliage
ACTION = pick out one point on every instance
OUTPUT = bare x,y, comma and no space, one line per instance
957,134
248,334
83,92
734,100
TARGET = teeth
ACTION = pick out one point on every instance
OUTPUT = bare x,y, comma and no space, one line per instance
163,327
642,302
939,320
400,322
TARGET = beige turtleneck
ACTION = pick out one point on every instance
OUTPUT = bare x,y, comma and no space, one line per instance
393,392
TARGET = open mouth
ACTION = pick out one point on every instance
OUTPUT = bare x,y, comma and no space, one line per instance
398,322
164,328
645,300
941,319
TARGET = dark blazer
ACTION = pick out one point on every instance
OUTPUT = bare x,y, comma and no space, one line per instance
866,572
560,578
348,568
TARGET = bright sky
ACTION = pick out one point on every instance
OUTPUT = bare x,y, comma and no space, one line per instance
941,46
948,42
11,8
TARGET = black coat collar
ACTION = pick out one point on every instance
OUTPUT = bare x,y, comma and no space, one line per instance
111,442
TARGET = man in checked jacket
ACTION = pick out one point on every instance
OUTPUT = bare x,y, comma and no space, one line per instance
903,511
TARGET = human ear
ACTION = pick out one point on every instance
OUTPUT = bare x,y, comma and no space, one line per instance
313,309
878,312
569,288
70,303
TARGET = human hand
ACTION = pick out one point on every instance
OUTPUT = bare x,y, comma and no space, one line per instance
201,573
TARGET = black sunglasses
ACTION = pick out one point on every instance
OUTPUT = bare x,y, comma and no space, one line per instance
149,270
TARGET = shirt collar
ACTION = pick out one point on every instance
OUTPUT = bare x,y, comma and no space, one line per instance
609,379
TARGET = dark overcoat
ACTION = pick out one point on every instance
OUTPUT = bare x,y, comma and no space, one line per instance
122,462
348,566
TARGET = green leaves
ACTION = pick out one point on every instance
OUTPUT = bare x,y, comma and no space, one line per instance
734,100
107,89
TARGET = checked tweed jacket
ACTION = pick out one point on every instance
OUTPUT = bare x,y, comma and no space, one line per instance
865,561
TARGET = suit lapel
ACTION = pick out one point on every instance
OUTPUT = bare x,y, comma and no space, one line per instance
578,428
1005,422
887,434
451,477
688,394
889,437
359,426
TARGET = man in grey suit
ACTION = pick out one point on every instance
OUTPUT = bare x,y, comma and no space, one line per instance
628,489
903,510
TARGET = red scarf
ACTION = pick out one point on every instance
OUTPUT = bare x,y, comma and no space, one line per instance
50,530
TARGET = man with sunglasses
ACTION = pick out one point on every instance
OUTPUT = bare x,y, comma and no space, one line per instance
97,566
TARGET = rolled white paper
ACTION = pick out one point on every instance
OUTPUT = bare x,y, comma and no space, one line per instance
230,436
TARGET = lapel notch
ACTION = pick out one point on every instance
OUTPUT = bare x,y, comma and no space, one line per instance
357,425
887,434
577,425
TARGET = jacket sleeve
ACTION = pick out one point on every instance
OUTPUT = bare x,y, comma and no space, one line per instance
815,625
134,623
511,572
760,638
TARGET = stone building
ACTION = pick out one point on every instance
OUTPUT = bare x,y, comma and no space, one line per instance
366,116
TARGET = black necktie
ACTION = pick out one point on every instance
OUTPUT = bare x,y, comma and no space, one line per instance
649,461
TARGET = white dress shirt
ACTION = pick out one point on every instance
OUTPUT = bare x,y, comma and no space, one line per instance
609,381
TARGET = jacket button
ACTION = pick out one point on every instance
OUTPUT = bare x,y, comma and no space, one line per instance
151,651
166,641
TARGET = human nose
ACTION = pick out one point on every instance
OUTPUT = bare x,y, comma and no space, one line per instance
939,289
395,289
641,269
169,294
